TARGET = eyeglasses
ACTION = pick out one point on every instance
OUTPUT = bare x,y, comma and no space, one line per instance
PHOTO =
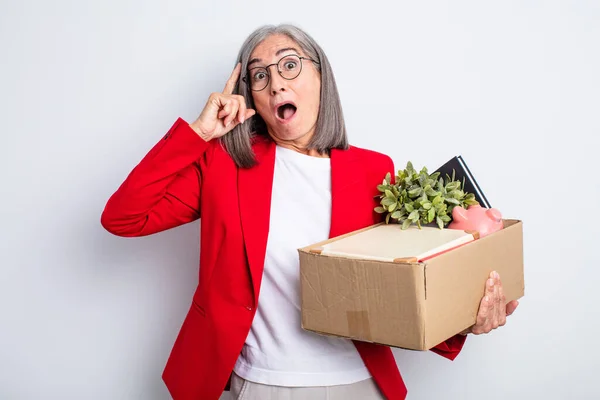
289,67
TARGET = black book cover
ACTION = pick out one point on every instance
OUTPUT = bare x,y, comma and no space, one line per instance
458,164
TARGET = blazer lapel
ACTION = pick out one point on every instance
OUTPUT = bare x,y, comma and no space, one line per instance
255,186
342,176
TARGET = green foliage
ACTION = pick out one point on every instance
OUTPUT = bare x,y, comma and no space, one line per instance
420,198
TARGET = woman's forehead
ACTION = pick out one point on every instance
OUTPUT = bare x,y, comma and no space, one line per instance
274,46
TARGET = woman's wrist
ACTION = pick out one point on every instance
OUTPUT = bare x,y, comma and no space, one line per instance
200,132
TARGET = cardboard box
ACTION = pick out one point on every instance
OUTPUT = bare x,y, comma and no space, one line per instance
412,305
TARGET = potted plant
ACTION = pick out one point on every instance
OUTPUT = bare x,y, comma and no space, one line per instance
421,198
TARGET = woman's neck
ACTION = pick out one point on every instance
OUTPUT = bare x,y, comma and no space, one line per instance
299,145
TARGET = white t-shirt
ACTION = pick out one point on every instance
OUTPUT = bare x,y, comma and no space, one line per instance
278,351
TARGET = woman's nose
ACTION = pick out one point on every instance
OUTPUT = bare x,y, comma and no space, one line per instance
277,84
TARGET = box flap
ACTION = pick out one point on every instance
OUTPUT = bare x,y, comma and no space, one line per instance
391,242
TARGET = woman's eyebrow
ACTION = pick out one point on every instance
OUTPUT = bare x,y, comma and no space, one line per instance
255,60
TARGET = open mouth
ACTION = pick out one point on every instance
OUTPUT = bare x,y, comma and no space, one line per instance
286,111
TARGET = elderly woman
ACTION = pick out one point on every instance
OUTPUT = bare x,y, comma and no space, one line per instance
267,168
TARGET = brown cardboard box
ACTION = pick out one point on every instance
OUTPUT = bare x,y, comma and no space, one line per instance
412,305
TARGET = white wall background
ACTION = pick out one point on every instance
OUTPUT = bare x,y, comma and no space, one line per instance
86,88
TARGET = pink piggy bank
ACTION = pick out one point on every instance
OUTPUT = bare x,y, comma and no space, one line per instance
476,218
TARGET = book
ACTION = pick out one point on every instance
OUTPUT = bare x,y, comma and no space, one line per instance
462,172
392,244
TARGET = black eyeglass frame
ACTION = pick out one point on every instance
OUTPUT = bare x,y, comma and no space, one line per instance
246,78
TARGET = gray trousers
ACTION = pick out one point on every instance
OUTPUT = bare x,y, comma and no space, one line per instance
242,389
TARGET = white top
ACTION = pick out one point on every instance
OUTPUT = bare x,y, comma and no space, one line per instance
277,350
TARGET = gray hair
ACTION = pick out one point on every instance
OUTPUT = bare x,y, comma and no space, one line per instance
330,130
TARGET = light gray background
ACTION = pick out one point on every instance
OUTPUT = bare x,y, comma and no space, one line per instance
86,88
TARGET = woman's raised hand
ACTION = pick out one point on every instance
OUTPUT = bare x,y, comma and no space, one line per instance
223,111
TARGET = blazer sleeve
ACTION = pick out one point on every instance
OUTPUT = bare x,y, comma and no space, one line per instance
163,190
451,347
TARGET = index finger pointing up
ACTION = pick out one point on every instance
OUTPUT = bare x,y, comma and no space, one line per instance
235,75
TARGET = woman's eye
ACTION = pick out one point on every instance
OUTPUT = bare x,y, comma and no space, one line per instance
259,76
290,65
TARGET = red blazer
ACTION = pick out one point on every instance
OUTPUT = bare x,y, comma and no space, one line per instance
184,178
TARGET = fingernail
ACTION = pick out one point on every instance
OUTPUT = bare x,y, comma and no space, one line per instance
486,299
490,282
496,275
